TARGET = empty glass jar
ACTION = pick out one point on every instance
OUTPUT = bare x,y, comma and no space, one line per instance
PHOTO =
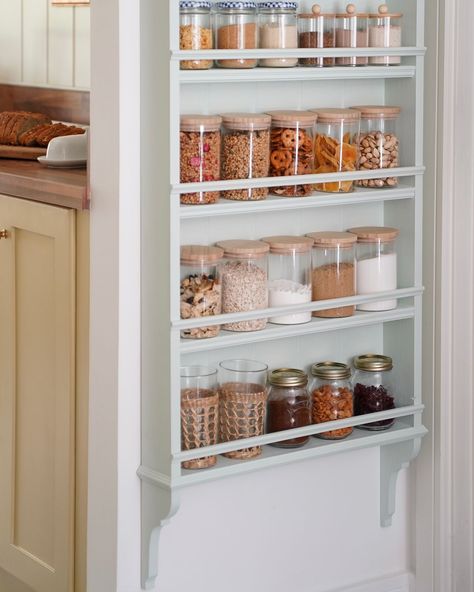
352,32
195,31
236,28
385,30
317,30
278,30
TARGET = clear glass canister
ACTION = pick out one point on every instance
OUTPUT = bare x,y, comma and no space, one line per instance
288,405
278,30
332,397
289,276
385,30
200,288
200,155
373,389
245,152
244,277
291,149
333,270
352,31
317,31
236,28
336,146
376,267
195,31
379,144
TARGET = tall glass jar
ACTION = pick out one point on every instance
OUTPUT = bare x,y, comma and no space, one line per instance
288,405
376,267
291,150
336,146
333,270
200,155
200,288
244,277
379,144
278,30
195,31
245,152
385,30
289,276
236,28
332,397
317,30
373,389
352,31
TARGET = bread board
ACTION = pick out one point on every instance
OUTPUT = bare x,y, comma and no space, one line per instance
21,152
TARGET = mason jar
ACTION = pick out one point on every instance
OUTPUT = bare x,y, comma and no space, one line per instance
385,30
195,31
352,32
317,30
236,28
332,397
277,30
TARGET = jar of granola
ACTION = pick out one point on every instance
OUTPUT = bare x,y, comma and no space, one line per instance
385,31
278,30
352,32
317,30
200,155
236,28
195,31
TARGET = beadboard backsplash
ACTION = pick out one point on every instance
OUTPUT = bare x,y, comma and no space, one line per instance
42,45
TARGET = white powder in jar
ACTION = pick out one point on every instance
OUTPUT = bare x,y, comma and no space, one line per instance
381,36
286,293
378,274
276,36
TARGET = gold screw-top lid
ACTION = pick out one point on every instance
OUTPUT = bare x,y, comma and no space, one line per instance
331,370
373,363
288,377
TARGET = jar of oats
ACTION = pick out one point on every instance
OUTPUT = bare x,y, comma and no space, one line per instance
195,31
245,152
236,28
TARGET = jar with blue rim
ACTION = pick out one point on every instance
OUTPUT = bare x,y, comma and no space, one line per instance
236,28
195,31
277,29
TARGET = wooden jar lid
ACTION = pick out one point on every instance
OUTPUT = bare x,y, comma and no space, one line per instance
246,121
333,239
335,115
196,123
316,13
374,234
378,111
244,249
384,13
293,118
351,12
192,254
289,244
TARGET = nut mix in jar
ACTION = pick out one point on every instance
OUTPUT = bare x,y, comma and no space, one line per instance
352,32
195,31
200,155
291,150
385,31
317,31
332,397
245,152
278,30
200,288
236,28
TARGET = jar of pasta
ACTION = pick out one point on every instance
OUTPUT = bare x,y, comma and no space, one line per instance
236,28
278,30
385,30
317,30
352,32
195,31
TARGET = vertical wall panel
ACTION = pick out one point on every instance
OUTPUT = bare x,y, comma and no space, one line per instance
10,41
61,46
82,47
35,41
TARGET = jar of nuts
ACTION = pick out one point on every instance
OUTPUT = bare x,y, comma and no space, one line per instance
195,31
245,152
332,397
379,146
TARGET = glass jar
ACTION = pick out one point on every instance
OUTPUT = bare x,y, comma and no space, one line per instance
288,405
289,276
333,270
373,389
379,144
332,397
199,412
245,152
200,155
291,151
200,288
385,30
236,28
317,31
352,31
376,267
195,31
242,403
244,277
278,30
336,146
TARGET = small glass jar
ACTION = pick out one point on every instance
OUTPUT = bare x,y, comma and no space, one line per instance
332,397
379,144
245,152
195,31
385,30
336,146
317,31
244,277
277,30
236,28
200,288
333,270
352,31
376,267
200,155
373,389
288,405
291,150
289,276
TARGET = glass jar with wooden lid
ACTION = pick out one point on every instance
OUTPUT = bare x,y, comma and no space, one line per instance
352,32
385,30
317,30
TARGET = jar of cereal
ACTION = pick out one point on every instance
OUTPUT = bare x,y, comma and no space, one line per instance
195,31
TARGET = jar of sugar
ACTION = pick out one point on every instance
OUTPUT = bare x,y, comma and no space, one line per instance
376,266
385,31
289,276
352,32
278,30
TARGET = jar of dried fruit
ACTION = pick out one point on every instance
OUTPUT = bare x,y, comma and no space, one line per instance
352,32
317,30
200,155
385,31
333,270
332,397
278,30
236,28
195,31
245,152
291,150
200,288
336,146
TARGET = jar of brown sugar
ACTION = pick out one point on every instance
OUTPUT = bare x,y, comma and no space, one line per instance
317,30
352,32
195,31
236,28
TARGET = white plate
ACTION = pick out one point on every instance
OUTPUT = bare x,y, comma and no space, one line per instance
63,164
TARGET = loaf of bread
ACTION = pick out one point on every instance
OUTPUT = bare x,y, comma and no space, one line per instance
22,128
